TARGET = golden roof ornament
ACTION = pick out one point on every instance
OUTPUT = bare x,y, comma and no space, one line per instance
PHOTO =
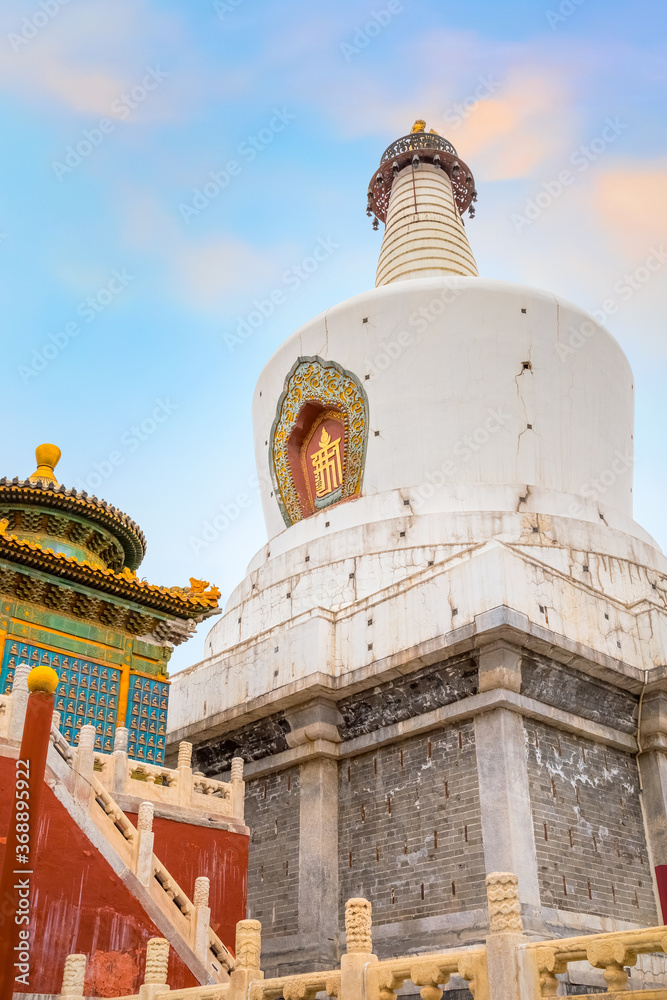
48,456
420,126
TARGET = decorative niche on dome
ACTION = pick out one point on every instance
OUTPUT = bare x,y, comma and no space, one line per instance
318,439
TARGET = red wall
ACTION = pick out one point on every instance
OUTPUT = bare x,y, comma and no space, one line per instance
189,851
81,906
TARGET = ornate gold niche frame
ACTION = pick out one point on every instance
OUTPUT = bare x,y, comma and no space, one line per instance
313,380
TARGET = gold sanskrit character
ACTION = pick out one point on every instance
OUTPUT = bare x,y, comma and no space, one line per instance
327,465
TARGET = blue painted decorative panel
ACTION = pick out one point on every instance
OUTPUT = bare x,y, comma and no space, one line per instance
87,693
147,718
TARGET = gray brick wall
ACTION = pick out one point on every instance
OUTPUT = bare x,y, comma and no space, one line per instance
410,836
272,814
589,833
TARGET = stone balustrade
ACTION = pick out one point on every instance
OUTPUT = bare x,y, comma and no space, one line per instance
178,787
134,844
431,973
94,781
131,842
507,967
614,953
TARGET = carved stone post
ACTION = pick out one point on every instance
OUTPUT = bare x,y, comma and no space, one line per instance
184,773
248,954
84,764
119,759
73,976
202,918
238,788
144,856
155,976
505,934
19,701
359,948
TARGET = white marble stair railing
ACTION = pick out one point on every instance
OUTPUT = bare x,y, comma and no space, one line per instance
178,786
135,845
153,884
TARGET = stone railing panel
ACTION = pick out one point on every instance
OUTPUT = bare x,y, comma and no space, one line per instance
303,987
430,972
209,786
613,953
169,786
121,775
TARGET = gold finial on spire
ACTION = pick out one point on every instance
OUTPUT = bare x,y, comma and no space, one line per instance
48,456
419,126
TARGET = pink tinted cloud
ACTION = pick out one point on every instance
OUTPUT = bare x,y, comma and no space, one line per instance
525,123
630,202
84,57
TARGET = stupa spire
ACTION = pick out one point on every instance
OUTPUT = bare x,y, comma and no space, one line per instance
420,191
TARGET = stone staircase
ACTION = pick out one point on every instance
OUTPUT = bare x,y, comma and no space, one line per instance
83,782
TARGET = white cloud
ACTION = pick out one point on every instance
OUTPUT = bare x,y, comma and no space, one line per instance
83,58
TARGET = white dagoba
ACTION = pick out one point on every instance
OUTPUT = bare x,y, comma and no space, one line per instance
498,471
483,524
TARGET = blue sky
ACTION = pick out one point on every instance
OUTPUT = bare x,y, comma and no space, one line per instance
123,290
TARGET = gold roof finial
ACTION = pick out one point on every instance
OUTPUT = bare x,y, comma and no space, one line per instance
419,126
48,456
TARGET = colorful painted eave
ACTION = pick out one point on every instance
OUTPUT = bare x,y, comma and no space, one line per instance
197,601
69,500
